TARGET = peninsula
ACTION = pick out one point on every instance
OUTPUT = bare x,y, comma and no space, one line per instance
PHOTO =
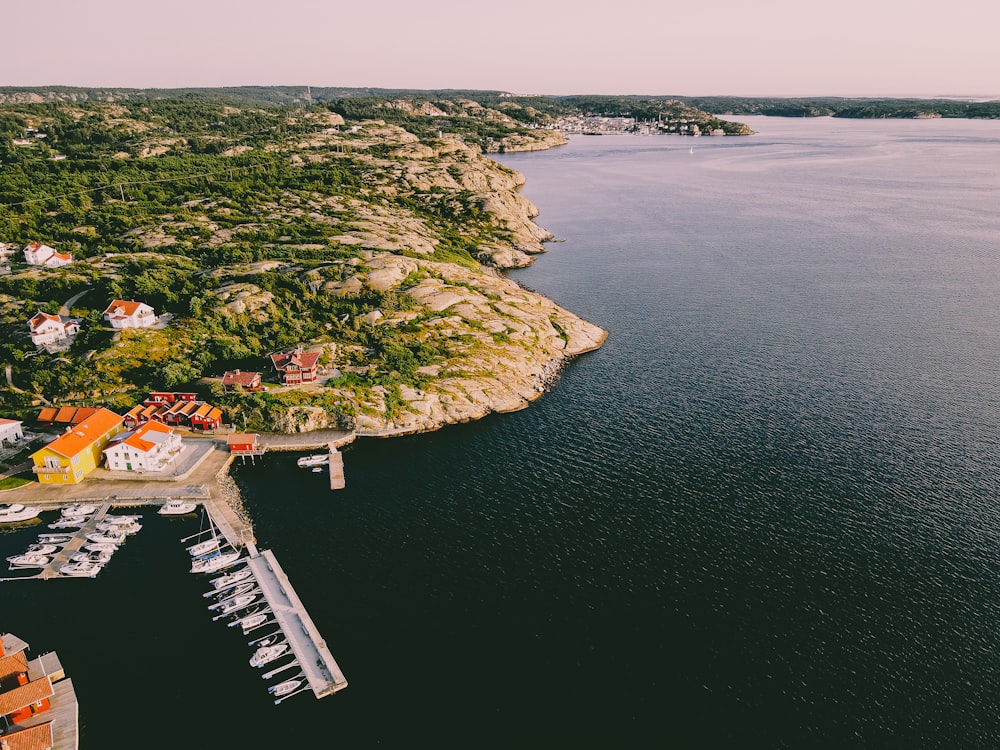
198,240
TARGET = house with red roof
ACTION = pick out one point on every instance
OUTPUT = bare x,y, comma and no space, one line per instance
149,447
296,366
248,381
37,254
77,452
38,706
48,329
129,314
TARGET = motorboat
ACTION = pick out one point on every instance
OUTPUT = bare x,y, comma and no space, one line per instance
177,508
106,537
267,654
101,547
317,469
16,512
28,560
285,688
253,622
223,582
214,563
236,603
81,569
68,522
317,460
252,619
120,520
54,538
243,588
78,509
120,528
98,557
203,548
43,549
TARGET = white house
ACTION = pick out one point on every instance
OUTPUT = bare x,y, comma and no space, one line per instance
7,250
149,447
131,314
49,329
37,254
10,432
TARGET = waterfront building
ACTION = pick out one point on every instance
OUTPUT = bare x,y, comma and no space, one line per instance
77,452
38,709
245,444
37,254
46,329
296,366
10,432
129,314
149,447
207,417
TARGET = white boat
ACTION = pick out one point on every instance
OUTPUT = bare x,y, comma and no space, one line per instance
317,469
97,557
81,569
105,537
253,622
78,509
214,563
317,460
68,522
242,588
28,560
120,520
43,549
101,547
266,654
226,581
203,548
176,508
236,603
54,538
284,688
16,512
120,528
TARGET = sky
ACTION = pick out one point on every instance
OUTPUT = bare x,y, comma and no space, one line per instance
683,47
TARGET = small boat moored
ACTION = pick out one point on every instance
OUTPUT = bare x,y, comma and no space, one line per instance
16,512
203,548
317,460
81,569
228,580
284,688
214,563
177,508
28,560
78,509
267,654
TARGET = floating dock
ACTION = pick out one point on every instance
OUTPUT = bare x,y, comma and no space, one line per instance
310,650
337,481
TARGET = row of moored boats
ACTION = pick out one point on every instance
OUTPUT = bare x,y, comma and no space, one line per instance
237,597
99,545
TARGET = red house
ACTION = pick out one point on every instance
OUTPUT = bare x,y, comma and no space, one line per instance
248,381
296,366
207,417
245,444
34,695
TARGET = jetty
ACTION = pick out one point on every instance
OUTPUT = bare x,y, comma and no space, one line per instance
312,655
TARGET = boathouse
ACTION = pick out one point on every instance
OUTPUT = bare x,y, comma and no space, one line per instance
38,709
245,444
77,452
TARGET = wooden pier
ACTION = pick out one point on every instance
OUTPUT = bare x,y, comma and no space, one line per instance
337,481
310,650
75,544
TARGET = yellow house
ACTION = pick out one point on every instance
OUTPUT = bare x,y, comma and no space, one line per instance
77,452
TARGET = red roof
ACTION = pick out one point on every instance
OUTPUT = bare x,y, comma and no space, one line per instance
38,737
297,360
121,307
238,377
13,664
242,438
85,434
25,695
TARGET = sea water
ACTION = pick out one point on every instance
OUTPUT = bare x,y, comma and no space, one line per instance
764,514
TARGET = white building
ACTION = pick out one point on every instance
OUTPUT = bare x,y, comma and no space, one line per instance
149,447
7,250
131,314
37,254
10,432
49,329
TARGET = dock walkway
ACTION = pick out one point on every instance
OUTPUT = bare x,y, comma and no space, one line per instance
75,544
313,656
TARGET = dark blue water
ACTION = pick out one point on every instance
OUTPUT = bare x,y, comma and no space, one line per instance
764,514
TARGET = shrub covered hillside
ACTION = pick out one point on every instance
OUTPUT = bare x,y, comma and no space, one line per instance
369,232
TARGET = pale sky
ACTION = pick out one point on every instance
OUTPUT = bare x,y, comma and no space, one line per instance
684,47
